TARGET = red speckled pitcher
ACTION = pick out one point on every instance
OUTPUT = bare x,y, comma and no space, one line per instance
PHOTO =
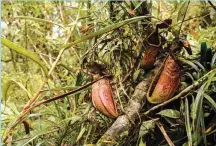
167,84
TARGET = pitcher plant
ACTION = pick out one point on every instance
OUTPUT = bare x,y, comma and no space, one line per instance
102,95
167,79
153,45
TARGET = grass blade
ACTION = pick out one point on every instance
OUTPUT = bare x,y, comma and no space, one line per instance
187,123
38,20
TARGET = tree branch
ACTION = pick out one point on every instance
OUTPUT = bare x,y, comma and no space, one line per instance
68,93
123,123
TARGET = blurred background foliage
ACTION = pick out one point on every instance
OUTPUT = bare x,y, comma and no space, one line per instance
43,27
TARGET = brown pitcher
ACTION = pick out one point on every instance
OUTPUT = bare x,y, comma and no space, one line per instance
151,52
153,45
102,97
167,79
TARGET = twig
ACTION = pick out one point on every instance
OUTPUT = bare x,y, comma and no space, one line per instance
182,93
214,7
160,126
210,128
56,61
68,93
192,18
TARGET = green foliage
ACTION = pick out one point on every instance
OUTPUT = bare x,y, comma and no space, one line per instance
147,126
22,51
170,113
45,40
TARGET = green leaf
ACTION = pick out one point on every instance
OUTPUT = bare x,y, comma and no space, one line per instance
190,76
187,123
6,88
213,60
141,143
170,113
210,100
136,74
72,119
147,126
37,135
200,65
13,107
22,87
192,65
40,143
82,131
38,20
206,115
26,53
198,122
6,110
210,79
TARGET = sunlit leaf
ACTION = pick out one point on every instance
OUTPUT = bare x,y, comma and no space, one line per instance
38,20
141,143
82,131
170,113
147,126
210,100
26,53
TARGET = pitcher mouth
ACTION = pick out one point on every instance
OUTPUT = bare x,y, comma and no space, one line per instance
153,45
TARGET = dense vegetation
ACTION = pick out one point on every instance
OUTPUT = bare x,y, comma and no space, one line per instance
52,48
